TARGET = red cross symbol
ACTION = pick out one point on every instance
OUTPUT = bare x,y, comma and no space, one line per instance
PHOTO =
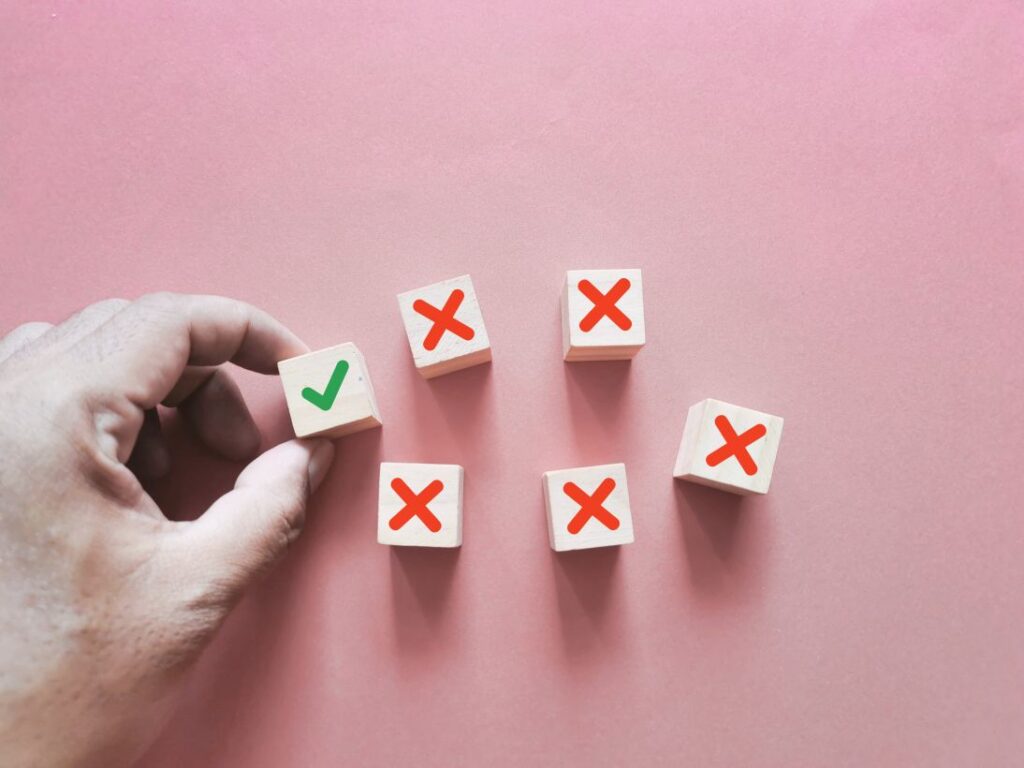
416,505
591,505
444,319
736,445
604,305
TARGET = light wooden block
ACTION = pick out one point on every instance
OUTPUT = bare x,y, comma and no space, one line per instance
438,486
436,349
739,459
569,525
315,407
588,333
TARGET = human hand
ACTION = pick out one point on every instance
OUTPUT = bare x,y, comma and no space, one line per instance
104,602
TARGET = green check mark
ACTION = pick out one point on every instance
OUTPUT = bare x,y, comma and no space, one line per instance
324,400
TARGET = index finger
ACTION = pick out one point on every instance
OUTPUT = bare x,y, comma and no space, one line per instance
143,350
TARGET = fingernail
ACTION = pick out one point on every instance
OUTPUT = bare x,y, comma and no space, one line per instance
319,462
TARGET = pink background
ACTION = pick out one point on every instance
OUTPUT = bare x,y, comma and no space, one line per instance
827,199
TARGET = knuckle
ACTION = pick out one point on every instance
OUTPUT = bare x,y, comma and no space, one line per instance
287,511
161,306
163,311
108,306
291,513
189,631
207,604
33,328
23,340
159,299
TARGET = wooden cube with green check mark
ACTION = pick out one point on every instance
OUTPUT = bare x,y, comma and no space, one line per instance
329,392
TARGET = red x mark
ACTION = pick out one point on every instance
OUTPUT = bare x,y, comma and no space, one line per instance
604,305
416,505
444,319
736,445
590,506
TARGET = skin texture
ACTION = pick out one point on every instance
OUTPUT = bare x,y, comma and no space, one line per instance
104,603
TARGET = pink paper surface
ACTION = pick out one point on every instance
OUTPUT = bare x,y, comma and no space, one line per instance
827,200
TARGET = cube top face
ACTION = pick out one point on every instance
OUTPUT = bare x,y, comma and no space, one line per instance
328,392
729,447
603,314
420,505
588,507
445,327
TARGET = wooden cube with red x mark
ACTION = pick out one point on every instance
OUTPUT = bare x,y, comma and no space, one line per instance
729,447
420,505
602,314
588,507
445,327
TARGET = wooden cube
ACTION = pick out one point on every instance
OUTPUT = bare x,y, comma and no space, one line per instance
420,505
602,314
329,392
445,327
588,507
729,447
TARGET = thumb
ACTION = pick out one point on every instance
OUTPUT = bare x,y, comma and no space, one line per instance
247,529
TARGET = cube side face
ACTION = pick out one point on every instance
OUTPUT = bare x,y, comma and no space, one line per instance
691,434
592,330
572,526
599,354
374,409
438,338
455,364
546,484
740,459
408,499
563,302
328,392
